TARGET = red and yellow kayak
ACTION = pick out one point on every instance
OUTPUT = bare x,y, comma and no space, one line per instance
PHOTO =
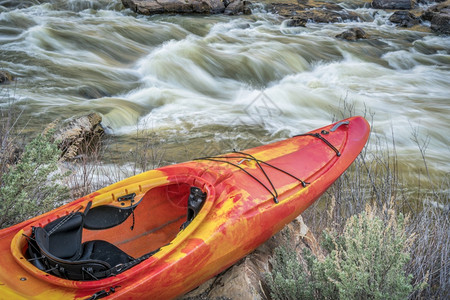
161,233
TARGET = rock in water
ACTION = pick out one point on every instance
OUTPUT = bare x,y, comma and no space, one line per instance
316,11
353,34
393,4
439,16
150,7
236,7
79,135
296,22
404,18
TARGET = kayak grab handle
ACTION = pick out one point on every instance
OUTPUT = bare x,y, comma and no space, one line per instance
339,124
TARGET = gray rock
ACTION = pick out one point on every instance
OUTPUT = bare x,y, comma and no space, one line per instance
352,34
234,7
327,16
439,16
393,4
404,18
314,11
296,22
150,7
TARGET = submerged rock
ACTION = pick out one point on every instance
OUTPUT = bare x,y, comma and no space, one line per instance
150,7
328,16
439,16
352,34
393,4
78,136
404,18
245,280
318,12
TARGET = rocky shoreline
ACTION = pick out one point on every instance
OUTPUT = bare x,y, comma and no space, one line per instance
405,13
245,279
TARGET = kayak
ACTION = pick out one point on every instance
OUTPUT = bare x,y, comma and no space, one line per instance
160,234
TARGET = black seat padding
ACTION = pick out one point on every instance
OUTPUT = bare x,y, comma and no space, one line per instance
105,216
63,254
104,251
63,238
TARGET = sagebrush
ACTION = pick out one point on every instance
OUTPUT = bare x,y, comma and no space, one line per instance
32,186
365,261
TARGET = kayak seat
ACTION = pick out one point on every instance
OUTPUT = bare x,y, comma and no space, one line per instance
104,251
61,253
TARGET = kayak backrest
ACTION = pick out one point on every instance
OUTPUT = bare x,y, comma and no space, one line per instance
64,268
57,249
62,237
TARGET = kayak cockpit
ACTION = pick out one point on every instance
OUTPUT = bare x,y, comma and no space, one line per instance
115,236
57,249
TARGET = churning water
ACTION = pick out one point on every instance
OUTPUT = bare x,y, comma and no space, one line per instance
225,81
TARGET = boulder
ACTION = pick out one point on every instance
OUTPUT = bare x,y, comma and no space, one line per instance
327,16
352,34
439,17
5,77
150,7
393,4
296,22
78,136
245,280
404,18
234,8
318,12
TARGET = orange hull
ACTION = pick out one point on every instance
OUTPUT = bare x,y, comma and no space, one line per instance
240,213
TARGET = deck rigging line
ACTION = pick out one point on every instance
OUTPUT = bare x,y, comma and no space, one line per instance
259,163
319,136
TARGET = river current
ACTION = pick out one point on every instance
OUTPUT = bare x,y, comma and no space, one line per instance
208,84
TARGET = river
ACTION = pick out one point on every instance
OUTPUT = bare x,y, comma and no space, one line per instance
208,84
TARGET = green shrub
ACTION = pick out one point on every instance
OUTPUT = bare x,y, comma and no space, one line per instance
288,279
32,186
366,261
